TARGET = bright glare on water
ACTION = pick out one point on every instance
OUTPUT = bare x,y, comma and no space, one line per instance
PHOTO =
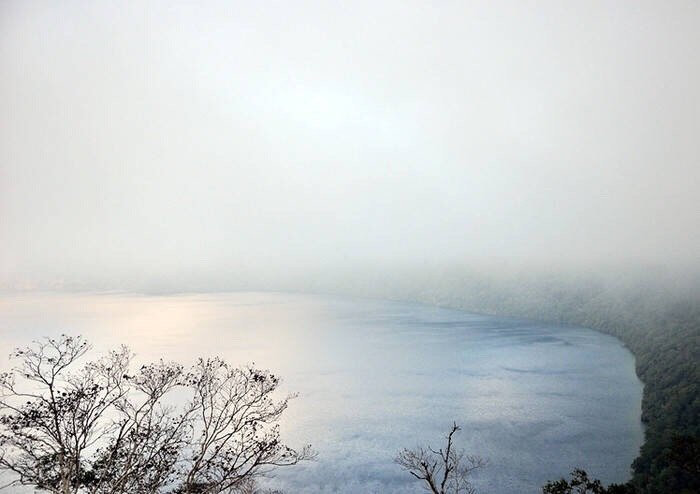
373,376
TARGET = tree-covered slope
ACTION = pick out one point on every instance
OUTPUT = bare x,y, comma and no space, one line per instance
656,315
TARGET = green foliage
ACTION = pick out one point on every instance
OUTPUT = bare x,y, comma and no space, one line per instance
581,484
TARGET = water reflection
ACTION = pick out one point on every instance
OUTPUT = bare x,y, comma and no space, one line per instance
375,376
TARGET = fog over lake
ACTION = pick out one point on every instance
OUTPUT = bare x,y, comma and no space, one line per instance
374,376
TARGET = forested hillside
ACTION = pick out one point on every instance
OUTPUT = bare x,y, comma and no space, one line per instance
657,316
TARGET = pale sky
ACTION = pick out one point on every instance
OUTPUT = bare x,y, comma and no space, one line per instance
186,138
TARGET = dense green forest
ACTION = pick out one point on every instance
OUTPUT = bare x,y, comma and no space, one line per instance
655,314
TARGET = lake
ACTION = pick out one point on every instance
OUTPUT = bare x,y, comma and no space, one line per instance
374,376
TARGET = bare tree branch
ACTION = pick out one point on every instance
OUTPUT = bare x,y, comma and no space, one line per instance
442,471
100,428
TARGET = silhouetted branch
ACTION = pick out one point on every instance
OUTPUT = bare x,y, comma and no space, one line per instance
442,471
100,428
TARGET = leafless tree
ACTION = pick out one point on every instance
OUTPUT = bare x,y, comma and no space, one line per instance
100,428
445,471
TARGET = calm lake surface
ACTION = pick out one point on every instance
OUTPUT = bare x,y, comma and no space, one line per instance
375,376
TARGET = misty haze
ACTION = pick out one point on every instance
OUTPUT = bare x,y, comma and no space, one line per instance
462,237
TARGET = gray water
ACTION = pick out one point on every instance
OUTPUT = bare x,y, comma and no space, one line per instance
373,376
